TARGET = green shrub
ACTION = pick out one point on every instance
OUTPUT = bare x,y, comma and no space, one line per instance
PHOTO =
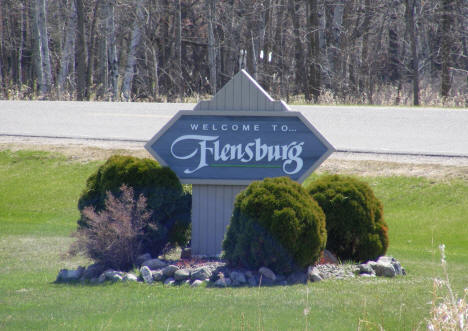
169,204
354,216
275,224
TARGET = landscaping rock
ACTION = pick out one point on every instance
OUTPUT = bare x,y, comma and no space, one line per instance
297,277
69,276
130,278
169,270
143,258
101,279
93,271
252,281
154,264
169,281
385,269
267,273
313,274
238,278
157,275
113,275
197,283
201,273
367,275
223,282
366,269
146,274
182,274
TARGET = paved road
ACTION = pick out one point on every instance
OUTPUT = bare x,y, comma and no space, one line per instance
427,131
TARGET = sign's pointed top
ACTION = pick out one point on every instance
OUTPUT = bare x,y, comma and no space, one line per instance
242,93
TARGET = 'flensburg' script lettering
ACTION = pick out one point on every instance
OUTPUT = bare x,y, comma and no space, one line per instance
252,151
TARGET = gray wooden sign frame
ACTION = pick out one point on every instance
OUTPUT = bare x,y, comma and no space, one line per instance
213,200
268,114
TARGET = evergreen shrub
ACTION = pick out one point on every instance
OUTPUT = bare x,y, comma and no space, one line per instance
354,216
169,205
275,224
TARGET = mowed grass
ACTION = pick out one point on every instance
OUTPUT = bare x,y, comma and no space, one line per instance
38,197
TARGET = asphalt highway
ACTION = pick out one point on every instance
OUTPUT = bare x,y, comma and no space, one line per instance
383,130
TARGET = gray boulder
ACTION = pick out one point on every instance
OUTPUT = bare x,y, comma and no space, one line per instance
201,273
313,274
182,274
223,282
238,278
114,276
146,274
142,258
157,275
385,269
169,281
366,269
130,278
154,264
69,276
197,283
93,271
267,273
170,270
252,281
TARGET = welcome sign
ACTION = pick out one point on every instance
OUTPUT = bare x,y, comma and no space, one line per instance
209,147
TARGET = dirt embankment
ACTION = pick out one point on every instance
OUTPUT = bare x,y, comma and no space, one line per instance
438,168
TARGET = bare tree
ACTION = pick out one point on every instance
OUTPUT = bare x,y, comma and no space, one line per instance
109,9
80,51
211,11
446,26
409,13
42,47
68,47
131,58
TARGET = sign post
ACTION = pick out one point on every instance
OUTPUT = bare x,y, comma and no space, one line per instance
239,136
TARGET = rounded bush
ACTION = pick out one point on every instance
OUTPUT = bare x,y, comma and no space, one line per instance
277,225
354,216
169,204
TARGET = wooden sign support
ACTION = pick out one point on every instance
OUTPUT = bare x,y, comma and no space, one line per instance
212,205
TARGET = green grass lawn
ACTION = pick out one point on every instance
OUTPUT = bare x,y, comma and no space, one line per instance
38,197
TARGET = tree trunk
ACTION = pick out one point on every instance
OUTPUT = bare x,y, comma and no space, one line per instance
45,44
314,44
20,49
365,72
409,13
112,50
131,59
42,60
178,50
446,24
93,47
301,80
211,11
80,52
67,48
394,62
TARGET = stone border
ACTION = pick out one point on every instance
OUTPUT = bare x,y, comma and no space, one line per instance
219,274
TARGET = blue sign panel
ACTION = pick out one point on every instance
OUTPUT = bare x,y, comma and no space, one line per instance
239,147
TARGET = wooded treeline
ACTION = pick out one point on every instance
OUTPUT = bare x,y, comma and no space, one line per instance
339,51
